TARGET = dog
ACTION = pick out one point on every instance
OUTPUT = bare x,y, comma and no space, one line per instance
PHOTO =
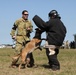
29,47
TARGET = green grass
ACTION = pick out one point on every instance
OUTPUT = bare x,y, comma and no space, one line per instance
67,58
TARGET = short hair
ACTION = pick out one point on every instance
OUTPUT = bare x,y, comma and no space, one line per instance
24,11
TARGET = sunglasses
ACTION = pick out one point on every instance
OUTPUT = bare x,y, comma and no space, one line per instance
25,14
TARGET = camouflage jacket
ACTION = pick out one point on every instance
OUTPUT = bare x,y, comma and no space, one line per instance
20,27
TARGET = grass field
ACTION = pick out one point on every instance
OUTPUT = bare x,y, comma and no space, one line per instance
67,58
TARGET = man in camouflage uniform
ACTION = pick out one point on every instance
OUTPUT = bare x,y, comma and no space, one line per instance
21,33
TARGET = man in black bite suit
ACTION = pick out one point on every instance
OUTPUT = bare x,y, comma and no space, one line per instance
56,32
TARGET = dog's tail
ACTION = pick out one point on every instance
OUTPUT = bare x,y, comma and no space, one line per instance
16,56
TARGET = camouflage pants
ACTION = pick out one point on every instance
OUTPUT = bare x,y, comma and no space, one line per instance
20,43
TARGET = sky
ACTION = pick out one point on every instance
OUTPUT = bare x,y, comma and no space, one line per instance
10,11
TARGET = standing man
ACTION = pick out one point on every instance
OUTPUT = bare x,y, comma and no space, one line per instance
21,33
56,32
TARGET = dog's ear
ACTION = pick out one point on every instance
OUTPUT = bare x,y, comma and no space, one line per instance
37,40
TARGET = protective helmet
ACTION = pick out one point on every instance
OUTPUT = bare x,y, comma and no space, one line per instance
54,13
